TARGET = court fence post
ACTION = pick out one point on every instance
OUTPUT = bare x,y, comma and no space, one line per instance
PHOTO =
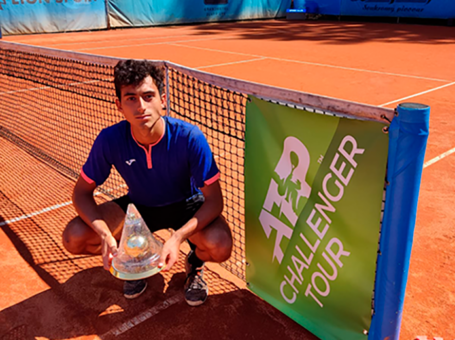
408,134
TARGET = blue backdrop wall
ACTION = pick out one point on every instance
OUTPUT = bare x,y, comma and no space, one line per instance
47,16
127,13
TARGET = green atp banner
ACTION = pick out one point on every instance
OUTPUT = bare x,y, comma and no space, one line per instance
314,187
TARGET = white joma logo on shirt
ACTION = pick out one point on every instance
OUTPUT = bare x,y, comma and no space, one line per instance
131,161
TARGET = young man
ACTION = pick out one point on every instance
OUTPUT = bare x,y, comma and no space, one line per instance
172,179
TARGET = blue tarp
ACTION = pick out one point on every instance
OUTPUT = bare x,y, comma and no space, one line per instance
46,16
127,13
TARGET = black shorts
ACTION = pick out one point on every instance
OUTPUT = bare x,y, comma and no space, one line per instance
169,216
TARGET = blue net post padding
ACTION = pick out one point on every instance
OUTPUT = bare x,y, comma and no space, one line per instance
408,136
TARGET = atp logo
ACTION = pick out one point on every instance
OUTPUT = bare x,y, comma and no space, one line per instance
2,2
287,190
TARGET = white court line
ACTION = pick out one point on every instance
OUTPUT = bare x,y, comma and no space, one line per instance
232,63
23,217
54,207
438,158
417,94
144,316
125,37
181,44
445,154
310,63
149,44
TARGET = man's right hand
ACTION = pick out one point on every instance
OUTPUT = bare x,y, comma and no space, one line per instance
108,250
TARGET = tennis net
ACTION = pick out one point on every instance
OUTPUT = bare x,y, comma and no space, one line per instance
54,103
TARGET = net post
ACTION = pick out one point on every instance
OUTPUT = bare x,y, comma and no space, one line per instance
408,136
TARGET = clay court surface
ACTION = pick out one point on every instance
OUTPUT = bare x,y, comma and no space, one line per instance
46,293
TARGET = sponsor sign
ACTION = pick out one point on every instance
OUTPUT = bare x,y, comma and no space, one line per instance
313,196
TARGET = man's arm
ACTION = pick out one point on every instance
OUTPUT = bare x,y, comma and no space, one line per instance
88,211
207,213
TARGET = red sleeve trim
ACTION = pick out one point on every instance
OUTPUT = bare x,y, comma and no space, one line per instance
86,178
213,179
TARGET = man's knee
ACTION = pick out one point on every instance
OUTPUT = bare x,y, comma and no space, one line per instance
75,236
224,251
219,243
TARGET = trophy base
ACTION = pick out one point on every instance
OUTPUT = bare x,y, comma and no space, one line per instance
134,276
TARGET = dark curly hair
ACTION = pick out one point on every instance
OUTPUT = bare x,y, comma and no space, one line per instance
133,72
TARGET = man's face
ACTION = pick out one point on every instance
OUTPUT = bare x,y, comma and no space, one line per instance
142,104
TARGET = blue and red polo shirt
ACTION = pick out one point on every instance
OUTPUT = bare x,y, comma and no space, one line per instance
169,171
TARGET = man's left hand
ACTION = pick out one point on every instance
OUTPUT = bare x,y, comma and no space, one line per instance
170,253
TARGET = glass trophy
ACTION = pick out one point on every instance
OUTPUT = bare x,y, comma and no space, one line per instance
139,252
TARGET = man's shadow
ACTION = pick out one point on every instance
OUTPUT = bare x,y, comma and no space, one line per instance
90,302
83,299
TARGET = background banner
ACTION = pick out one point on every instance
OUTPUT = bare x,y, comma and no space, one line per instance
47,16
125,13
435,9
313,195
429,9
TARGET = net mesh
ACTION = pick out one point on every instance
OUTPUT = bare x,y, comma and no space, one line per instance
53,107
220,114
